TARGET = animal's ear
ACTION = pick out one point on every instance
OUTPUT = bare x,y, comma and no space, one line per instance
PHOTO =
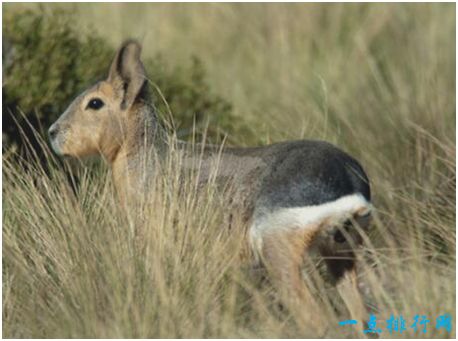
127,73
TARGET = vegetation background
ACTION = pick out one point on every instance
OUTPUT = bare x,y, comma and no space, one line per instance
378,80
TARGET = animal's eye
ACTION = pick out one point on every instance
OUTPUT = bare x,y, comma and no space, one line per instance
95,103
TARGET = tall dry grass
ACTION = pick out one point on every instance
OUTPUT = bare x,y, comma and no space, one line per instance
376,79
77,265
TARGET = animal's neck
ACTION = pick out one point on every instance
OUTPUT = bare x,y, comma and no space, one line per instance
145,140
145,133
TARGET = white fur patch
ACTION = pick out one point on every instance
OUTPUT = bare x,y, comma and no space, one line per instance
305,217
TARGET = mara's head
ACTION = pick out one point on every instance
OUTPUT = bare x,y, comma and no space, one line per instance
97,121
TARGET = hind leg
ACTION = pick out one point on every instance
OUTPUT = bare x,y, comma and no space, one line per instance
341,265
282,255
351,295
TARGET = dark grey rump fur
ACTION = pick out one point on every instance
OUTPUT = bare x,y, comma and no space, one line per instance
304,173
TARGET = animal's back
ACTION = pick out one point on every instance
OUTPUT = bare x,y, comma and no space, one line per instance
298,173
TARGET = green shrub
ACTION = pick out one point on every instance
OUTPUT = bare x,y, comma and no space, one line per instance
49,62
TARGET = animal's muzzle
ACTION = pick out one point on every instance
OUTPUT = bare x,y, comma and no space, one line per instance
53,131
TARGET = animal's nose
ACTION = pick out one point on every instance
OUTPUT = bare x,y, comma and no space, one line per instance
52,132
